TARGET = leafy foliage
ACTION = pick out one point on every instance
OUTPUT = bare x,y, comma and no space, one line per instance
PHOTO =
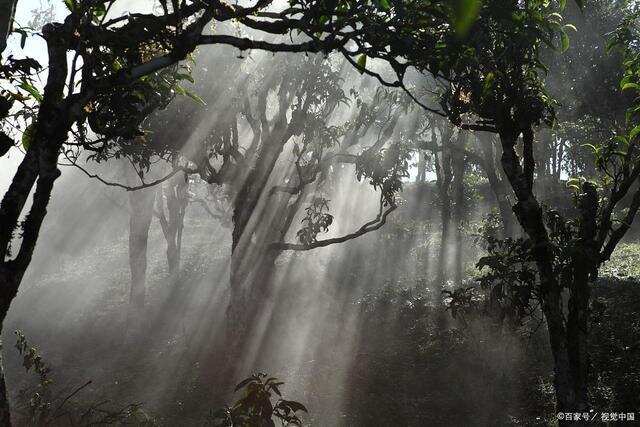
42,405
18,79
510,279
316,220
385,169
40,399
120,117
257,408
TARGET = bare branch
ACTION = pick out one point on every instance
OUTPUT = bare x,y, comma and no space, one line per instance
244,43
131,188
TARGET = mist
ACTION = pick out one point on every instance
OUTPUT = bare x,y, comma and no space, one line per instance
245,212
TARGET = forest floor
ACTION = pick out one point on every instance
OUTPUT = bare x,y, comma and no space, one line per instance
389,356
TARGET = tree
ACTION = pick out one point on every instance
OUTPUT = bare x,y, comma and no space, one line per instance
7,11
488,163
444,178
141,212
174,194
289,113
113,57
566,248
494,83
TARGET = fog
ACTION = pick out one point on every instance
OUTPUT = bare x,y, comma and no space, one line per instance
306,222
313,331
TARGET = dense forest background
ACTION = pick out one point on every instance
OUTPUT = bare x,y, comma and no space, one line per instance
454,248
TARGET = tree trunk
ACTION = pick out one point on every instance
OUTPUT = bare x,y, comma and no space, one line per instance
12,271
250,255
250,289
5,413
6,279
421,176
174,192
570,387
253,187
141,205
14,200
40,162
445,217
7,12
443,181
563,384
173,258
584,271
497,185
253,266
458,165
577,337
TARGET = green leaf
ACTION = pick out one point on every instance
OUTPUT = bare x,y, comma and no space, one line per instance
185,92
384,4
31,89
465,14
555,18
612,43
574,183
362,63
27,136
100,10
487,87
628,86
621,139
116,65
195,97
185,76
564,41
634,132
23,36
71,5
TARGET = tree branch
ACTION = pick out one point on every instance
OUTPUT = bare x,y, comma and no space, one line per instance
370,226
131,188
244,43
618,233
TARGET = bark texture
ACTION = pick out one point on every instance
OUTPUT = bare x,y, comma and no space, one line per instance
498,186
7,12
567,335
444,176
141,205
39,168
174,194
458,167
